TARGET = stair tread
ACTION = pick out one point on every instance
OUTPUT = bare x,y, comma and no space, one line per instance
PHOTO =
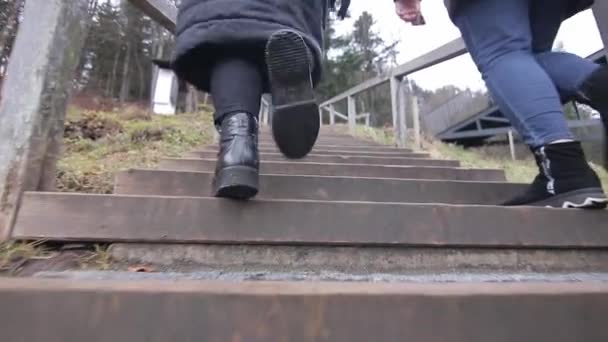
396,153
369,160
194,183
303,161
345,169
79,217
158,311
345,146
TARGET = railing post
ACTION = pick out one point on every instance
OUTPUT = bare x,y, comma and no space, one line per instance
352,115
394,84
416,120
402,117
511,144
261,113
332,115
321,116
600,10
34,99
267,105
397,112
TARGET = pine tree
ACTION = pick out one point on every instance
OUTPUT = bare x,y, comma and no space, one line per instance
354,58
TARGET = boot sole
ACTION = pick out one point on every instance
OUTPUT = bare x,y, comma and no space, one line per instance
593,198
236,182
295,120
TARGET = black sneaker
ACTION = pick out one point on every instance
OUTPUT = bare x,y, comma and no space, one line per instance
237,168
295,120
565,180
594,93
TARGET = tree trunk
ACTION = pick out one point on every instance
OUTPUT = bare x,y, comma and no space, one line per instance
140,70
112,84
189,99
126,84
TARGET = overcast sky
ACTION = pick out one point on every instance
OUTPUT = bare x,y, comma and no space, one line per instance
579,34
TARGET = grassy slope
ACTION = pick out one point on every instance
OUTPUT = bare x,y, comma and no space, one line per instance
89,166
132,138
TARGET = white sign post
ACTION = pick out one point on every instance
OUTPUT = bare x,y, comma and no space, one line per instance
164,90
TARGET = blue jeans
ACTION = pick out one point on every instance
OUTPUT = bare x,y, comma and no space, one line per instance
510,41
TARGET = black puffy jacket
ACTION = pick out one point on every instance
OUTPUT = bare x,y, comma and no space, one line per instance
206,29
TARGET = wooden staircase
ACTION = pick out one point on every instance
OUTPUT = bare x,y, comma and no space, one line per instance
361,242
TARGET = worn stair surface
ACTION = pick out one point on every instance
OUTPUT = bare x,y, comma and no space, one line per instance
421,160
364,243
323,188
345,151
346,169
60,311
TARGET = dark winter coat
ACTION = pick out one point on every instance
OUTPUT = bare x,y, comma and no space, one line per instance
206,29
575,6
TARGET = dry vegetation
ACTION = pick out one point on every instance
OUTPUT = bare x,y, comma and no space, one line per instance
96,145
517,171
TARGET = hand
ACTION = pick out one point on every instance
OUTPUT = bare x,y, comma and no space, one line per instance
408,10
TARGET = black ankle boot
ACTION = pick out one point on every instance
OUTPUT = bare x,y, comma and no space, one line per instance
295,121
565,180
594,93
236,172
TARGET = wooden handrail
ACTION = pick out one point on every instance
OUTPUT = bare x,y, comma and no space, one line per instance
161,11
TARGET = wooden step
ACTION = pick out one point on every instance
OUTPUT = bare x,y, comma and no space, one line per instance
36,310
315,158
347,170
322,135
332,152
351,148
198,184
377,149
116,218
332,142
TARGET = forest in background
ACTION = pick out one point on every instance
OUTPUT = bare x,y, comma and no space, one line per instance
116,63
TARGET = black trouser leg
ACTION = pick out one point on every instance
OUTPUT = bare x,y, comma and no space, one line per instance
236,87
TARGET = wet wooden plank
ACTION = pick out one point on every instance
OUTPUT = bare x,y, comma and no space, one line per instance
347,170
347,147
331,141
362,159
323,188
154,311
78,217
342,152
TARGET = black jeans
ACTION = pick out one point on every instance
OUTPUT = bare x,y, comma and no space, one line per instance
237,84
